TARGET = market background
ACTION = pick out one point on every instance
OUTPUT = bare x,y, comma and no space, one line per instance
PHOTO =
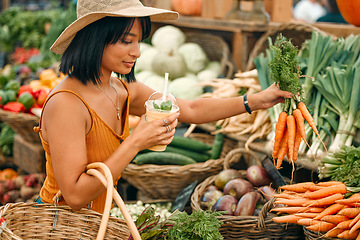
229,59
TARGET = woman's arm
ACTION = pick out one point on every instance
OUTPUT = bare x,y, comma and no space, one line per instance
213,109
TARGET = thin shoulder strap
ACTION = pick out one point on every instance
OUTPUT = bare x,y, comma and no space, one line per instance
64,90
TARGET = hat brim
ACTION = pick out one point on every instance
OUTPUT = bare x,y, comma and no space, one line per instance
65,38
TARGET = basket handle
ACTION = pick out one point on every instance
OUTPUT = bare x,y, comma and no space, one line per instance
233,157
107,180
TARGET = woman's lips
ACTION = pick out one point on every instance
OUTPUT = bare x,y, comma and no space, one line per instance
129,64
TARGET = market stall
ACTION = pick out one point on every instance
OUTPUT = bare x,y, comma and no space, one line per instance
282,185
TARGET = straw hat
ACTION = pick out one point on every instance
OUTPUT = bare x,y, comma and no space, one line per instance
89,11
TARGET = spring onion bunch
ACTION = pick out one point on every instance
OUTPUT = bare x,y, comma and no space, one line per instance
342,165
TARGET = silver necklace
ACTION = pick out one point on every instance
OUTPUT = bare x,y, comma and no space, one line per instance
115,105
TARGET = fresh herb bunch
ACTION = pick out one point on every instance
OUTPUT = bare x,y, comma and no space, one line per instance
344,166
150,226
284,67
165,106
200,225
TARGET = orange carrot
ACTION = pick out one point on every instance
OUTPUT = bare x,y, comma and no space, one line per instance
349,201
292,202
347,235
286,196
307,221
297,187
297,144
279,134
327,191
349,212
291,129
307,116
355,224
328,183
306,215
286,219
355,220
335,219
313,187
321,227
300,123
332,209
293,210
323,202
283,150
333,232
344,225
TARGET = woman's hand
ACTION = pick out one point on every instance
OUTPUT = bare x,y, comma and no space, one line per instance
268,97
148,134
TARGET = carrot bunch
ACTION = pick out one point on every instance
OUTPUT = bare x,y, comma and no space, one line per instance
290,131
290,127
320,207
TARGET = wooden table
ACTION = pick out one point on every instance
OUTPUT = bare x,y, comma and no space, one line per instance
242,35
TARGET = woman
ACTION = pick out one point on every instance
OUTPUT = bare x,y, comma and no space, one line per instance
85,118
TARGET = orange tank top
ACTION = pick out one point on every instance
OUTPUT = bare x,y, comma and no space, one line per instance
101,142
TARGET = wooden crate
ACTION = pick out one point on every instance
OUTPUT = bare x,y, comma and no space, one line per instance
216,8
28,157
279,10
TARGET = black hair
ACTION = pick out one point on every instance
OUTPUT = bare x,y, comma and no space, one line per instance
82,58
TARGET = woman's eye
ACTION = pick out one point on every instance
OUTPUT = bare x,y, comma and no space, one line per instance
126,42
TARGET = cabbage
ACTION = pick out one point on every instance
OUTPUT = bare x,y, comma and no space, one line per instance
206,75
172,63
168,38
144,62
214,65
194,56
156,82
185,88
143,75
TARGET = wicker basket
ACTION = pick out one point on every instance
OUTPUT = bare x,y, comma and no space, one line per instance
298,32
311,235
22,124
247,227
166,181
216,49
47,221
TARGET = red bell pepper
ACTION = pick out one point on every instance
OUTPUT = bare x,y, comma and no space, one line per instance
16,107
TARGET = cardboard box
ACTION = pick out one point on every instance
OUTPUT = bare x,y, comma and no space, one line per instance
279,10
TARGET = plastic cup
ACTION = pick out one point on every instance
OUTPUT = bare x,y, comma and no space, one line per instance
154,114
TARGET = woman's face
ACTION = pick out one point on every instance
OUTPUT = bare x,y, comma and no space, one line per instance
121,56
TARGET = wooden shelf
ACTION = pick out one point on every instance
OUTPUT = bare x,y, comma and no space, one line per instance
242,35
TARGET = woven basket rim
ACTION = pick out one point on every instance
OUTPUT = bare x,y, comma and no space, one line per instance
257,223
47,212
217,44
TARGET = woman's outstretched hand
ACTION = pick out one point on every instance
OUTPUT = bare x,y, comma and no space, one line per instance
268,97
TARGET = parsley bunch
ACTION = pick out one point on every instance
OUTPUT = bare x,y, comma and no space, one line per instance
200,225
284,68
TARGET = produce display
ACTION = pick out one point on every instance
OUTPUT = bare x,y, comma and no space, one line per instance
255,126
323,207
238,194
182,151
330,88
186,63
16,187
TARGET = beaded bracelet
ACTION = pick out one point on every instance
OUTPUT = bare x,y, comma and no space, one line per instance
246,103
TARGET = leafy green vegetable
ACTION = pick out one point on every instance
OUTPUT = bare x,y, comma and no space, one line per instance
200,225
343,166
165,106
284,67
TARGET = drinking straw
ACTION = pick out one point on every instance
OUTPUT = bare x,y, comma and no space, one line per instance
165,86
